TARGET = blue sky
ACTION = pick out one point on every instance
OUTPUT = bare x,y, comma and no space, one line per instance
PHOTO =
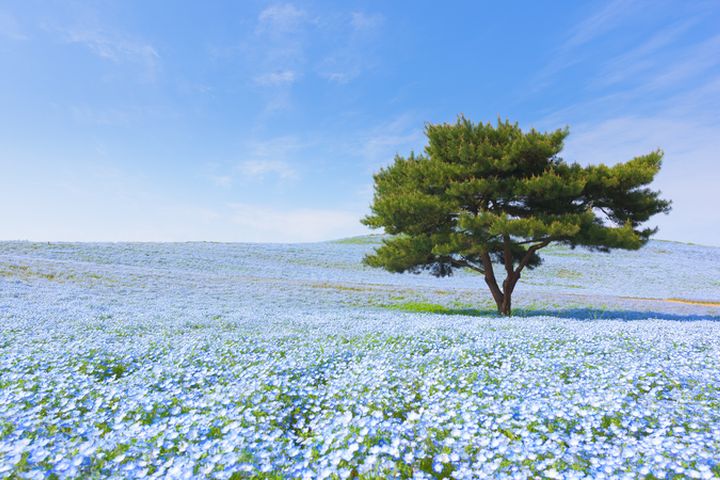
263,121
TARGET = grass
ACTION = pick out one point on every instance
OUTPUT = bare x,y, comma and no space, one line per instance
426,307
348,288
693,302
26,273
530,310
230,346
574,312
705,303
372,239
567,273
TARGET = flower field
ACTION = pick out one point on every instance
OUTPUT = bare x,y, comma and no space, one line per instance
237,361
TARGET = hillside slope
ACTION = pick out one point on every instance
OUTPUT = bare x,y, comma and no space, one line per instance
663,277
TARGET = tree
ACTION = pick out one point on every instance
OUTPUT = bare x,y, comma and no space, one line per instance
484,194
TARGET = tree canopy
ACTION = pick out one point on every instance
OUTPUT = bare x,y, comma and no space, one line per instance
483,194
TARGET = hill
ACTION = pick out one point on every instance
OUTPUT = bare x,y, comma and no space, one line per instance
233,361
664,277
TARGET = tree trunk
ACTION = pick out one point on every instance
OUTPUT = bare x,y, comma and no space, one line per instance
503,298
492,282
505,308
505,303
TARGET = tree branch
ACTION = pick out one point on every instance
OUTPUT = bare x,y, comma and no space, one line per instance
536,240
465,263
507,254
473,266
529,254
490,278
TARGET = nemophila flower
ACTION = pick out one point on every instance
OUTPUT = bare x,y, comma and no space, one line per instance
158,387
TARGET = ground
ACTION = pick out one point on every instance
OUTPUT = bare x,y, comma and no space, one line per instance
287,361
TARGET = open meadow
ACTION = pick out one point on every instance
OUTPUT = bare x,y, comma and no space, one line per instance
194,360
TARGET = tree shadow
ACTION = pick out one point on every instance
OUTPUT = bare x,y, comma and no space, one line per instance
578,313
614,314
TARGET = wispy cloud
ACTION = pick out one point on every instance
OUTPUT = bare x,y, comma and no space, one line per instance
643,58
259,161
693,62
221,180
600,22
610,16
657,59
682,120
10,27
261,223
271,158
261,168
341,68
288,43
273,79
117,48
122,115
664,92
281,18
689,174
399,135
340,77
353,53
274,54
275,148
631,121
362,21
670,70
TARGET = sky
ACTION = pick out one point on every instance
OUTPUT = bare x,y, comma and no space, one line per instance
264,121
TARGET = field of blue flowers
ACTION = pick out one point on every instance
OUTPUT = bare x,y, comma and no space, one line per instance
294,361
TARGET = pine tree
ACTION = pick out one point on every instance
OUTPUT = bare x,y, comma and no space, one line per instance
484,195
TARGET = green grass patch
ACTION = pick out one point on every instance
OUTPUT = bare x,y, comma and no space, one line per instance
348,288
361,240
425,307
567,273
489,310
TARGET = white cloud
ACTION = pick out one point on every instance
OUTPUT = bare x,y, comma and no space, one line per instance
366,21
287,43
397,136
284,77
221,180
259,161
259,223
261,168
276,148
691,65
664,93
116,48
102,202
353,53
280,18
10,28
124,115
275,54
343,66
339,77
689,176
610,16
112,116
642,58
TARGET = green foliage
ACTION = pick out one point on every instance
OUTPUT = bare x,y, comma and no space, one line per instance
425,307
360,240
483,194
